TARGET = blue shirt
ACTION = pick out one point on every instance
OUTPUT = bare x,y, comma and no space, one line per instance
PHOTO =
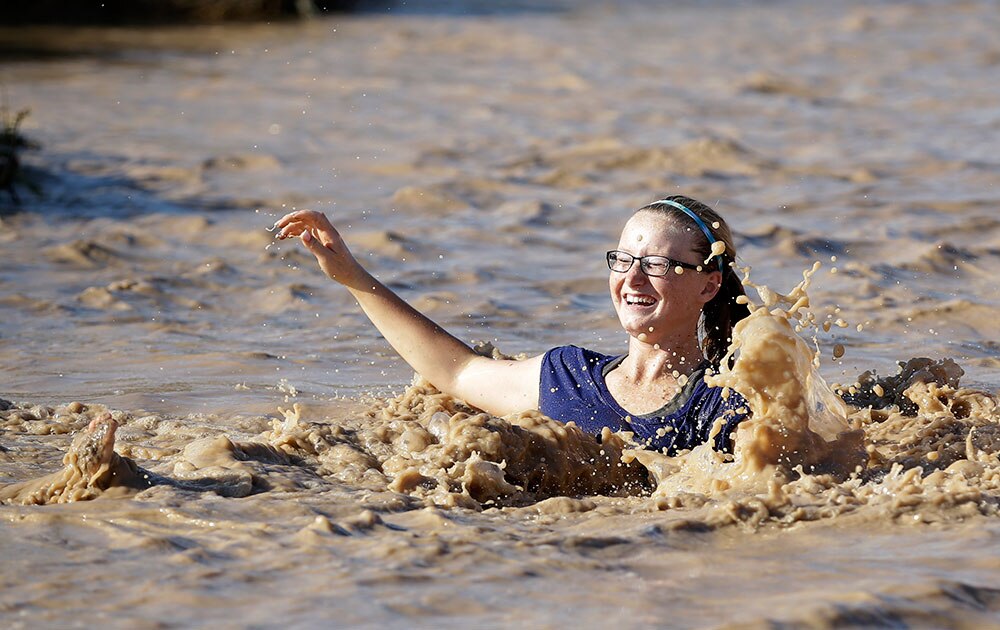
573,388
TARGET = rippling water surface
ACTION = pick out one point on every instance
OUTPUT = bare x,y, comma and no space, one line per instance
481,162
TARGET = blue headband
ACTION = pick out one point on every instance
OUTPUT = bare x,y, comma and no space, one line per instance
697,220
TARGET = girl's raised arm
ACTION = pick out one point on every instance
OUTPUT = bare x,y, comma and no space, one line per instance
499,387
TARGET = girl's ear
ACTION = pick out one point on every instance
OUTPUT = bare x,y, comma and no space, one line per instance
713,282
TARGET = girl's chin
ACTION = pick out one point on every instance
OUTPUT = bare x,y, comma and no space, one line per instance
638,329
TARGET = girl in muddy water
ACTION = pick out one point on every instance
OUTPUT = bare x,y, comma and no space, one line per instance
669,275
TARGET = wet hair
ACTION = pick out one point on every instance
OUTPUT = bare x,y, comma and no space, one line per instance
721,313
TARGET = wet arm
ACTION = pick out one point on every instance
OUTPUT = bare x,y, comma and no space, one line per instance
494,385
497,386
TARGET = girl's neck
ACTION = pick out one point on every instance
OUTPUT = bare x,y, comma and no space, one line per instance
648,362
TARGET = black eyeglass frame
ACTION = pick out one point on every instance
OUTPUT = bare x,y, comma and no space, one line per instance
671,264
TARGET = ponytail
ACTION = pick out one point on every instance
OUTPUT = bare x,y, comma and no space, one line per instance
720,315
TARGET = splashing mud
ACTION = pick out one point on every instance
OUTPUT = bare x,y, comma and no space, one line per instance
910,444
91,468
432,446
796,420
422,443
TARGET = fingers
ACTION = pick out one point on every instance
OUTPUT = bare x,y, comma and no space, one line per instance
295,223
322,253
295,228
308,216
312,243
316,243
298,228
320,238
285,220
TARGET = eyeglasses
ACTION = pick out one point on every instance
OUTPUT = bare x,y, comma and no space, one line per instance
654,266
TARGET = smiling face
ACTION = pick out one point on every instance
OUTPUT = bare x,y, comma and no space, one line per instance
669,305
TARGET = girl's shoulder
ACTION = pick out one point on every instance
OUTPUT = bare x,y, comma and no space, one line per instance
575,356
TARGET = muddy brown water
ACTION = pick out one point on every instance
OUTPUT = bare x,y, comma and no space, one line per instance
272,462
